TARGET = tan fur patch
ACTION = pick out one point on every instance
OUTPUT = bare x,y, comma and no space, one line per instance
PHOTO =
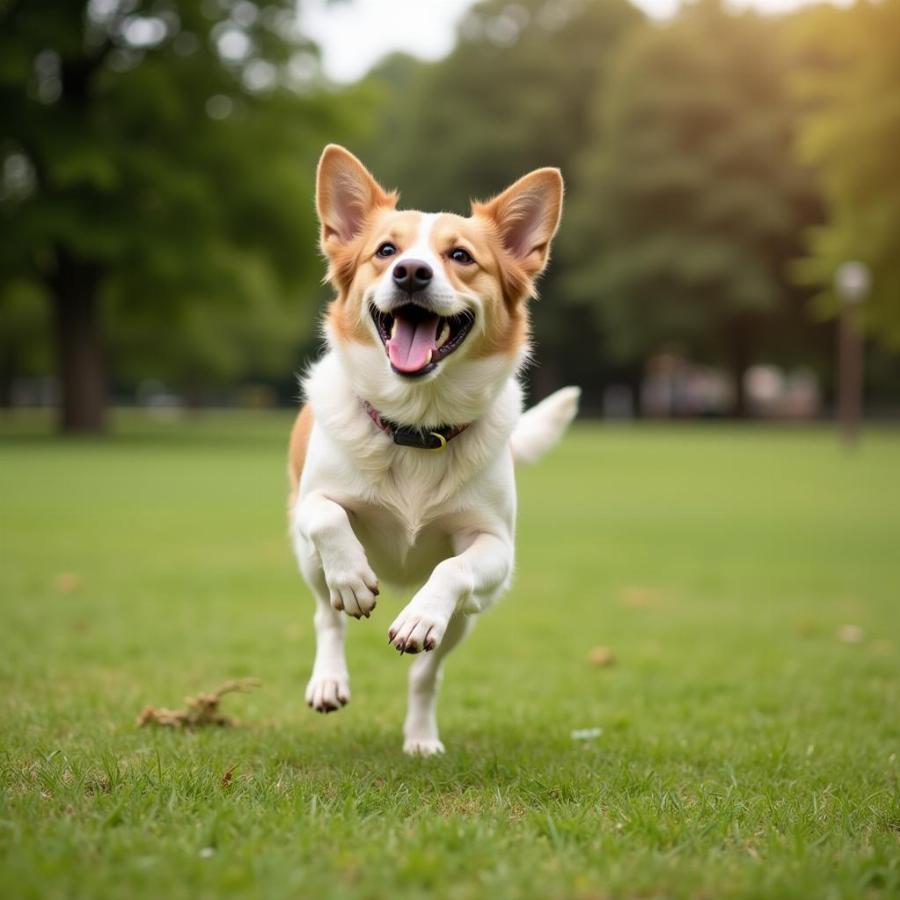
346,313
506,322
297,451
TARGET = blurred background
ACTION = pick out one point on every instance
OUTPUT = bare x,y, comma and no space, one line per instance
724,164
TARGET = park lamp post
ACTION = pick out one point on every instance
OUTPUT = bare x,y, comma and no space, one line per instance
851,281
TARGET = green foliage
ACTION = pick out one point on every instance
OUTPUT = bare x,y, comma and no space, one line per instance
24,329
165,151
210,343
746,751
514,95
692,204
851,134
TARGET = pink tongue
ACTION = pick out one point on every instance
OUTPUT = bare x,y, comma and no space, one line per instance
412,343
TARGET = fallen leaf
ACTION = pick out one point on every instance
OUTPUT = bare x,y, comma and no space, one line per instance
602,657
850,634
67,582
806,627
640,597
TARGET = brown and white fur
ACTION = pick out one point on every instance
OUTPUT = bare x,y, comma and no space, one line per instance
440,524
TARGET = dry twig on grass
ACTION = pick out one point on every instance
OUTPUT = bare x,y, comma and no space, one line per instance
200,710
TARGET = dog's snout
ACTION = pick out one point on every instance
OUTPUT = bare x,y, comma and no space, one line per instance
412,275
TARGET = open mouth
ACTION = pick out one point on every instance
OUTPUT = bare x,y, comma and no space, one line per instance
417,339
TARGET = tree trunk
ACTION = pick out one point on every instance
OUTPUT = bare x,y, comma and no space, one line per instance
7,373
80,362
634,378
193,396
740,360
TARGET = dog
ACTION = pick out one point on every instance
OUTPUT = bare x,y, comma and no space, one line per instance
401,460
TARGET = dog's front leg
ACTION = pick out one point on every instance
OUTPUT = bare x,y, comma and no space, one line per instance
466,583
351,583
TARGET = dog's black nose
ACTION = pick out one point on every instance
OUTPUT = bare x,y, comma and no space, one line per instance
412,275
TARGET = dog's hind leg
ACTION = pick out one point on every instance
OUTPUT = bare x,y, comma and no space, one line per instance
420,731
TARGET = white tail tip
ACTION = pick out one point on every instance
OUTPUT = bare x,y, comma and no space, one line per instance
542,426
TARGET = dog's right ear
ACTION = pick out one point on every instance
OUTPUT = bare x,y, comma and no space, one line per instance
346,195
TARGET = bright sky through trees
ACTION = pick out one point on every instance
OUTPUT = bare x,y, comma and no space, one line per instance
355,34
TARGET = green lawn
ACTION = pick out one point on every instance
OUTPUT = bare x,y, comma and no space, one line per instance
746,749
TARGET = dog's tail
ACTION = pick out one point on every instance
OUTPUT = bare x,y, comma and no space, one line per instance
543,425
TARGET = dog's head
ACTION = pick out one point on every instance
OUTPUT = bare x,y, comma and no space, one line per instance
427,302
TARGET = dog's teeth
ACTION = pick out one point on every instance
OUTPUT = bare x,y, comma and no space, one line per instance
444,335
394,328
428,359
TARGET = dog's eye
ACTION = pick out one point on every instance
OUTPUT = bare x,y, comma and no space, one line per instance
463,257
385,250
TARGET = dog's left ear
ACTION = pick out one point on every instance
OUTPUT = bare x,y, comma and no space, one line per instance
346,195
527,217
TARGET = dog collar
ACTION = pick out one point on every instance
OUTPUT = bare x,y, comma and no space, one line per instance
435,439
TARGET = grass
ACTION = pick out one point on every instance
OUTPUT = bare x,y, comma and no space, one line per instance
746,750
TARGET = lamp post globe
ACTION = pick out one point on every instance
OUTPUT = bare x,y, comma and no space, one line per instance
852,281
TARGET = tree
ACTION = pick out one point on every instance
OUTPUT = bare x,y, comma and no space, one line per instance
157,160
851,135
692,202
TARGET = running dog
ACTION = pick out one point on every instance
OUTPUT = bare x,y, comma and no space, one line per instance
402,459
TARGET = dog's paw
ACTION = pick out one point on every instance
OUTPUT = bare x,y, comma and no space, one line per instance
352,588
328,693
417,628
422,747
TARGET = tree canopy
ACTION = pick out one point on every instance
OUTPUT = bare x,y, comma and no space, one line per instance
851,135
692,205
157,177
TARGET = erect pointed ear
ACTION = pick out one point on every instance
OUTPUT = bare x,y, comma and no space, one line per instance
527,216
346,194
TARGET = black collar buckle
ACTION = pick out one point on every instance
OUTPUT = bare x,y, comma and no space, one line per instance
421,440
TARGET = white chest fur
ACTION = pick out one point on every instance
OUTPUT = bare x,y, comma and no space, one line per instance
409,507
